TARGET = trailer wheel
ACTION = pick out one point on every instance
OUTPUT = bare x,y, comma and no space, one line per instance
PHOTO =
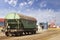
34,32
16,34
25,33
21,34
8,34
31,32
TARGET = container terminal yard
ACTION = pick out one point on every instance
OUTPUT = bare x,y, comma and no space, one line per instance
21,27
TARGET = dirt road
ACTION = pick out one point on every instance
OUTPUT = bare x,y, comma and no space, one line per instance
48,35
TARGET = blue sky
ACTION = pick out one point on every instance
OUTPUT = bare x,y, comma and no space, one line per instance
42,10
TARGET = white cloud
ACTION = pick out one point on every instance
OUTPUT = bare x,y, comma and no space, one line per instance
26,4
21,5
12,2
30,2
43,4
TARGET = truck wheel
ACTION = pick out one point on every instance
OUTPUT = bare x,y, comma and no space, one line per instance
34,32
28,33
16,34
21,34
25,33
8,34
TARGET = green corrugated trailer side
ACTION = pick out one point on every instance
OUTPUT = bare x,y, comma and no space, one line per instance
29,24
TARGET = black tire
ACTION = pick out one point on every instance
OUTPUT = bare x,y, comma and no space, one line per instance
34,32
8,34
18,33
25,33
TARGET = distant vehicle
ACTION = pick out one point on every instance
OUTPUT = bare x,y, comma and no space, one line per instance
18,24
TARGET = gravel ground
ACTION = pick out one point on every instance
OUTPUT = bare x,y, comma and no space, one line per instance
47,35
